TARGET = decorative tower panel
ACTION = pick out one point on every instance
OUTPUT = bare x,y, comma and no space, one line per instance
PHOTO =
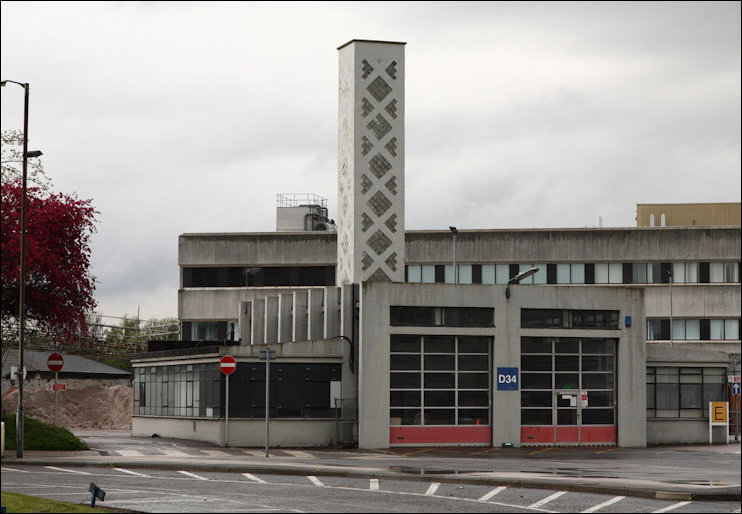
370,162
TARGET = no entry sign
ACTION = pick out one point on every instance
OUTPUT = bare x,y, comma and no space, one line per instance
227,365
55,362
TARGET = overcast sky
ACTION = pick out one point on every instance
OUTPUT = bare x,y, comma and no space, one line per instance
180,117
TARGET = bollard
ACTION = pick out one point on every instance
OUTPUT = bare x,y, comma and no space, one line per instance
97,493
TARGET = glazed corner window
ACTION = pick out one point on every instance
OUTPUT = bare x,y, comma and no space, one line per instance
408,316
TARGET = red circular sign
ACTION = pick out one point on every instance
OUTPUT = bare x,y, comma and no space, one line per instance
55,362
228,364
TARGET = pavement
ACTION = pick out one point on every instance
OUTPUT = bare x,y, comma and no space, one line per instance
682,472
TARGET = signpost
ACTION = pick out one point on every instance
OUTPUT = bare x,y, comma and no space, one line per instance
227,365
267,355
55,362
719,416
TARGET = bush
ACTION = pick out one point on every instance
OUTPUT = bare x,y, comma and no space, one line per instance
41,436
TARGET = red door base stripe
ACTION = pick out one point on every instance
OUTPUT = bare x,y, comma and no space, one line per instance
440,435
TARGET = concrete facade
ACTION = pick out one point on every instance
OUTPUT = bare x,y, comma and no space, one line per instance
376,298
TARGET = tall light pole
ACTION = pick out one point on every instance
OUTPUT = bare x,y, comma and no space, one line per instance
455,269
22,277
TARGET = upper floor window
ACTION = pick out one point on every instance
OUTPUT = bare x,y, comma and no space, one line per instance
566,318
441,316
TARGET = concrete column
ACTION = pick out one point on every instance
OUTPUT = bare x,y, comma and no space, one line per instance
332,312
246,322
315,317
271,319
258,321
285,317
300,315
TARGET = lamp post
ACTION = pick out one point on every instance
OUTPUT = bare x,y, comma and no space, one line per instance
517,278
22,275
455,269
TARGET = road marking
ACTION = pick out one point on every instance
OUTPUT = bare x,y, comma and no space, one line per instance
254,453
216,453
433,488
132,472
604,504
13,469
193,475
316,481
672,507
373,484
130,453
496,490
175,453
299,453
252,477
68,470
546,500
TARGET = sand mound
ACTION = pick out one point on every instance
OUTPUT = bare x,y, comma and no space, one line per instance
106,407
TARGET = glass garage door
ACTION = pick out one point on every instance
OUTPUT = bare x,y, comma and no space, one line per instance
568,391
439,390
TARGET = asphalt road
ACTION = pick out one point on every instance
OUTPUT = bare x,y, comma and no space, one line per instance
165,475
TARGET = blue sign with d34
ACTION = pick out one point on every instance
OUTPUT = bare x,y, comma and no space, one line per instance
507,379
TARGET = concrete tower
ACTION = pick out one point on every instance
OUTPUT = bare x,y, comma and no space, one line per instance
371,230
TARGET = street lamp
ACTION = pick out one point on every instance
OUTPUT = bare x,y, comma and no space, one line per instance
455,270
517,278
22,275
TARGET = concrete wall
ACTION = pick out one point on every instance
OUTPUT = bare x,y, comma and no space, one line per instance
257,249
375,334
242,432
576,245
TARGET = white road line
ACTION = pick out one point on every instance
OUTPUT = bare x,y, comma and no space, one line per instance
175,453
493,492
68,470
13,469
546,500
299,453
316,481
373,484
132,472
193,475
433,488
604,504
216,453
253,478
671,507
254,453
130,453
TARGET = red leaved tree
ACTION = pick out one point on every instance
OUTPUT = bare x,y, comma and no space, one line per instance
59,286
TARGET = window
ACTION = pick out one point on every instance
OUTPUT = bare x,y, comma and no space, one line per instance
683,392
414,273
693,329
238,276
442,316
439,380
565,318
211,331
179,390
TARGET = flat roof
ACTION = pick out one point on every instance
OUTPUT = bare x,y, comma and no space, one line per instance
371,41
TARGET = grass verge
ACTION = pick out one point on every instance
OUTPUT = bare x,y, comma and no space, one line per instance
15,502
41,436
